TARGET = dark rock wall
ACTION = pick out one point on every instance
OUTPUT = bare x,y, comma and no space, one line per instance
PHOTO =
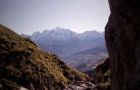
123,42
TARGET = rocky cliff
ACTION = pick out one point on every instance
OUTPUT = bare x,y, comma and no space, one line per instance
123,42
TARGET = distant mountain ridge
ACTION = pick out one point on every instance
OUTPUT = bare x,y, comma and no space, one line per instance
57,34
63,40
71,46
63,34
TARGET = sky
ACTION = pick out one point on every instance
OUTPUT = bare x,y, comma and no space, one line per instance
28,16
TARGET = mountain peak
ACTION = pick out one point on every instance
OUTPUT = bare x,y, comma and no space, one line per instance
58,28
61,30
59,33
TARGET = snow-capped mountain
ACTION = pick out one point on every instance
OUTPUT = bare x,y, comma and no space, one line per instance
56,34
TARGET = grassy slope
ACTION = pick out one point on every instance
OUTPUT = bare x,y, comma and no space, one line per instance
23,63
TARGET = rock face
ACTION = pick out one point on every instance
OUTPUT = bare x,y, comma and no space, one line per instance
123,43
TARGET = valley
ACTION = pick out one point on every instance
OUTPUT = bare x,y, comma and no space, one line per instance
83,51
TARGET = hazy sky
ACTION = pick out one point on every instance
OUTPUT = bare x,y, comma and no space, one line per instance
28,16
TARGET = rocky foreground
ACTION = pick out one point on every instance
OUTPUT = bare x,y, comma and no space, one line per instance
81,85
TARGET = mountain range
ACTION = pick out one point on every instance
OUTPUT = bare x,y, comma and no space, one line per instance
75,49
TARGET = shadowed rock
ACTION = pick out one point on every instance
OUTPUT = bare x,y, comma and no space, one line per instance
123,42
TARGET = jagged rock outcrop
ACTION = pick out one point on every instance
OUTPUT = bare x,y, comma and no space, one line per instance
123,42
